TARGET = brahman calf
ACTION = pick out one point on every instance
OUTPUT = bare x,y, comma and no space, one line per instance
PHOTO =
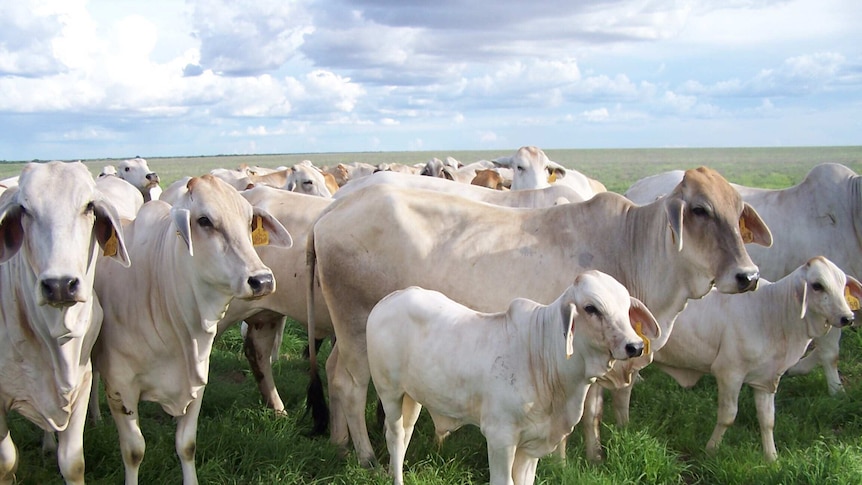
520,375
189,261
753,338
50,226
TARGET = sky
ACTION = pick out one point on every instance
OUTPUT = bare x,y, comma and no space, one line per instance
119,78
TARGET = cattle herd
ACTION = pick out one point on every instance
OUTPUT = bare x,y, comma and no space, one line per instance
508,294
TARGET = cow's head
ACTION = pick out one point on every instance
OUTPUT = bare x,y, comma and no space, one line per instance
710,226
55,218
827,296
220,228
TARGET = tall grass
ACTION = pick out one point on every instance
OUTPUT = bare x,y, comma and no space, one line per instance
239,442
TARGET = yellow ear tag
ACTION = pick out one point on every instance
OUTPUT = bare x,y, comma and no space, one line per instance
552,178
745,232
112,245
639,331
259,236
851,300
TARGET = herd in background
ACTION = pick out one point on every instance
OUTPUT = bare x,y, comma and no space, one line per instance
506,294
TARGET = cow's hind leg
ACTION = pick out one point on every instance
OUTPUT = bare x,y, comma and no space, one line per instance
349,386
825,353
524,468
8,453
398,427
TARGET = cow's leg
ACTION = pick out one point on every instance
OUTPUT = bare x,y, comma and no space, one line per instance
410,410
592,421
501,460
338,433
132,444
728,397
825,353
765,403
70,450
8,452
186,439
94,412
258,346
49,442
622,398
524,468
350,386
394,430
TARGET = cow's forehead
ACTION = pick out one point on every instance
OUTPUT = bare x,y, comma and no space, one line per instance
707,184
531,155
50,183
603,289
213,194
821,269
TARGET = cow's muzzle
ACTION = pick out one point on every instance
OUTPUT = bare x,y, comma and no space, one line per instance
261,285
61,292
747,281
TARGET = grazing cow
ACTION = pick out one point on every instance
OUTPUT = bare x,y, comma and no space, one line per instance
521,375
189,261
533,170
136,172
50,226
753,338
545,197
483,255
820,215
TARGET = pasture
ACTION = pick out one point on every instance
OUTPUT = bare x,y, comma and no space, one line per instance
819,438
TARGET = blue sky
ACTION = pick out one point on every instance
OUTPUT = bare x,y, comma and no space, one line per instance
119,78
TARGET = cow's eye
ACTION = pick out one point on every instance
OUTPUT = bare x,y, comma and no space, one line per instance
817,287
699,211
308,182
205,221
127,169
592,310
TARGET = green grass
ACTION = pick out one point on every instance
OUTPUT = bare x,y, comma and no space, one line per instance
819,438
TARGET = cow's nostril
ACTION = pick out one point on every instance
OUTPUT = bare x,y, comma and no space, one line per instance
634,350
847,321
60,290
261,284
747,281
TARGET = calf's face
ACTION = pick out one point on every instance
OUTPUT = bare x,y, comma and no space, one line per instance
826,294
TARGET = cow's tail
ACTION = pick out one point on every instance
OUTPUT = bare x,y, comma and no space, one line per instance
314,400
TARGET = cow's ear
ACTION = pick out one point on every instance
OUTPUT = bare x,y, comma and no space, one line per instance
853,293
109,232
503,161
752,228
569,312
182,221
802,295
555,171
11,230
643,322
267,230
675,208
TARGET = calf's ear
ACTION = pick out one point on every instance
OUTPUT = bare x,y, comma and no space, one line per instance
853,293
569,312
752,228
802,295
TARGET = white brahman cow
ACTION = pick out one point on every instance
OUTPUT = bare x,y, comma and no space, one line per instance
50,226
303,177
137,172
533,170
753,338
484,256
822,215
545,197
189,261
520,375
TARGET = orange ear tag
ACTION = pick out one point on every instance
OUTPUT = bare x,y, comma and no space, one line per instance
259,236
745,232
639,331
112,245
851,300
552,178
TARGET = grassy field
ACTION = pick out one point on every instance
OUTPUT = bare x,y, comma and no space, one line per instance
819,438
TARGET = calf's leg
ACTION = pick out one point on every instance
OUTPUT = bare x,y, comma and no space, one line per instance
765,403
